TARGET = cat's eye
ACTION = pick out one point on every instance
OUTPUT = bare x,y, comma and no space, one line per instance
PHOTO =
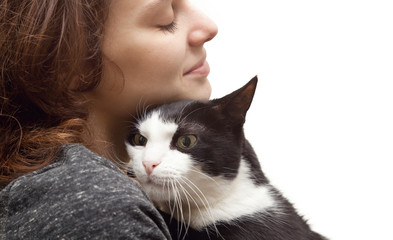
186,142
139,140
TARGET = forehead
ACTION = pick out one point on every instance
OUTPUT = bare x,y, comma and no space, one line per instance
176,110
182,117
124,13
152,4
155,127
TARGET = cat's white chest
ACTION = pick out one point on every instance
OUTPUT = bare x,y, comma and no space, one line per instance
233,199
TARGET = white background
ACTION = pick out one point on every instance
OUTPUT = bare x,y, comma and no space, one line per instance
322,117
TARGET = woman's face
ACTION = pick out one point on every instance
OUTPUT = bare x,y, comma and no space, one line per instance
153,53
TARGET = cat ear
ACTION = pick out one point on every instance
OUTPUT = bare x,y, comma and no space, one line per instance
234,106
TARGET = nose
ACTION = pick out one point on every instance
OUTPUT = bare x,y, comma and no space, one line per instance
204,29
150,165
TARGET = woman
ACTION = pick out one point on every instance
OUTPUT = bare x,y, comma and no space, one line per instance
73,74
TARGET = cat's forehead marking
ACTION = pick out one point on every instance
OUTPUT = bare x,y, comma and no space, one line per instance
154,127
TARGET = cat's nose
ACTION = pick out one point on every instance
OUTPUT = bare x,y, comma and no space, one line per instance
149,166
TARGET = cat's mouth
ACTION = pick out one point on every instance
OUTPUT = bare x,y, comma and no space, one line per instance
160,183
157,182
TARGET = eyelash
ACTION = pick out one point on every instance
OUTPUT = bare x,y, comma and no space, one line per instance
172,27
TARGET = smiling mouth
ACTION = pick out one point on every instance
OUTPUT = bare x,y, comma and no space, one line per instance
201,69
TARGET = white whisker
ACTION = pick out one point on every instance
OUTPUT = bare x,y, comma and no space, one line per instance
179,212
196,203
174,200
189,210
206,206
203,174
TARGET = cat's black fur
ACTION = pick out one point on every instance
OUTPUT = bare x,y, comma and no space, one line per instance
221,142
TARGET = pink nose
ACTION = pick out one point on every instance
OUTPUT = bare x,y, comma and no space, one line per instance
149,166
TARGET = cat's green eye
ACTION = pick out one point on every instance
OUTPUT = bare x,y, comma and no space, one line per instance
140,140
186,142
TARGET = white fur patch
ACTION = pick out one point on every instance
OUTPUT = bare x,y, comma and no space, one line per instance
229,200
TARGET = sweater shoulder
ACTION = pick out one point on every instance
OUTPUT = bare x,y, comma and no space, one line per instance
75,170
83,193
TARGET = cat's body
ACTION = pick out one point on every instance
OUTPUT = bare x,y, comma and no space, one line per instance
194,162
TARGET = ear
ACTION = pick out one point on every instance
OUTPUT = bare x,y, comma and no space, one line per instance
234,106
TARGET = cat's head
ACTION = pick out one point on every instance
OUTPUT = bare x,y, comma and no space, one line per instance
179,148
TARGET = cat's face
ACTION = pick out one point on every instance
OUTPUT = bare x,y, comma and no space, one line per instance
184,147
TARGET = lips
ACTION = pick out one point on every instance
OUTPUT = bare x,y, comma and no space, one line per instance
202,68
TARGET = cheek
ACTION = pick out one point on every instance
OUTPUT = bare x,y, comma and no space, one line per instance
146,71
173,164
151,61
136,156
155,75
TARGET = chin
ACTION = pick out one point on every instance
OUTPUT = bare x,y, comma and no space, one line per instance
197,89
157,193
201,91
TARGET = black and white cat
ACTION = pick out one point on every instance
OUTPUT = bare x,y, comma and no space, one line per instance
193,161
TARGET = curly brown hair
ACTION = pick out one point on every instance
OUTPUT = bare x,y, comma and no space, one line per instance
49,55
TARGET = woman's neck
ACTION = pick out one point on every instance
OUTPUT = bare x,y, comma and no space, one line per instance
107,137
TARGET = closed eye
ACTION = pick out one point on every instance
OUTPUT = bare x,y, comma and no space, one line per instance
171,28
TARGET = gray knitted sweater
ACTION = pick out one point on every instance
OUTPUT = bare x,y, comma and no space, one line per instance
80,196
